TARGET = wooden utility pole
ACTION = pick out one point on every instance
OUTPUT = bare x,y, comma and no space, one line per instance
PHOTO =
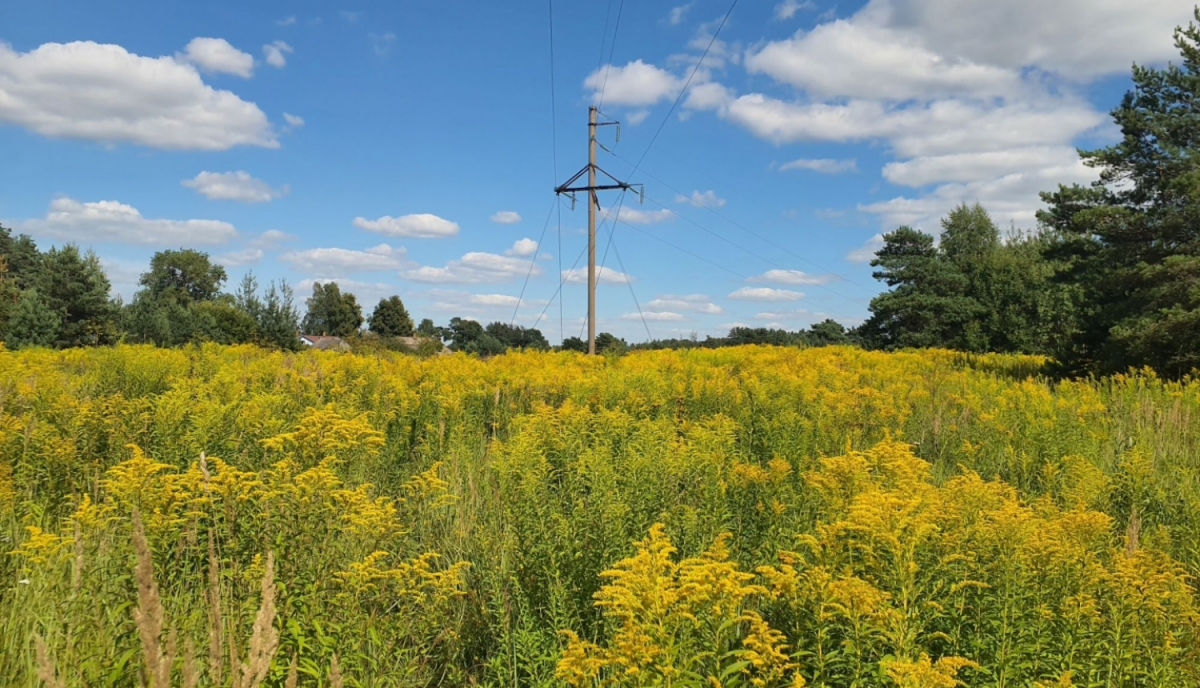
593,202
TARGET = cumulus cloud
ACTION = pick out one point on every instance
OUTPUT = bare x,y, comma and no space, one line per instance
217,56
973,167
341,262
654,316
675,17
637,84
233,186
475,268
765,294
792,277
695,303
637,216
788,8
506,217
276,53
707,199
522,247
822,165
604,275
114,222
294,121
286,21
866,252
637,117
101,92
418,225
246,256
271,239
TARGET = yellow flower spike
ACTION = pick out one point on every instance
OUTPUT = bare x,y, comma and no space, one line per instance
41,547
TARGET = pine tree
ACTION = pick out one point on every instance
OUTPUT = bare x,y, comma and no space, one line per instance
33,322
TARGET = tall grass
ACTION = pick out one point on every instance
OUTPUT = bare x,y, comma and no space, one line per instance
751,515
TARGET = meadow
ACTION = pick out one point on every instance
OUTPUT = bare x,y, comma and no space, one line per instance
750,516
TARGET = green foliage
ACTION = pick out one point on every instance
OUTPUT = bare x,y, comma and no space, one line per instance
75,287
1130,243
330,312
574,344
32,323
972,292
391,318
182,276
428,329
518,337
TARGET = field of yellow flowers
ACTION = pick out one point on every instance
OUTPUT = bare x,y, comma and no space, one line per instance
229,516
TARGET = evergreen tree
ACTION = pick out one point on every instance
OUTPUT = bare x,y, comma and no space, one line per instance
1130,243
391,319
32,323
278,320
330,312
75,287
428,329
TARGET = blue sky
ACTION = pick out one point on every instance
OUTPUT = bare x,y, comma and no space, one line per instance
407,147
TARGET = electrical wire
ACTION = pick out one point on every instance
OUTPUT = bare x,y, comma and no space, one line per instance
612,47
686,84
533,261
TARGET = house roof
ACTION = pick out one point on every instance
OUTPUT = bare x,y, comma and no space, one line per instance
324,342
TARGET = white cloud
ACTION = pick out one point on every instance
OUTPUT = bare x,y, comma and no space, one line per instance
696,303
382,43
654,316
792,277
822,165
111,221
604,275
707,199
293,120
244,257
217,56
765,294
972,167
1011,199
418,225
506,217
96,92
635,216
866,252
788,8
675,17
350,17
1079,39
475,268
271,239
233,186
286,21
637,84
637,117
793,314
341,262
276,53
848,59
522,247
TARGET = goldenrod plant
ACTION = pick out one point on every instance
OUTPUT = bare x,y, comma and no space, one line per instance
752,516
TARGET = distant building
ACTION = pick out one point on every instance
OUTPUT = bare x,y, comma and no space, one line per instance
324,343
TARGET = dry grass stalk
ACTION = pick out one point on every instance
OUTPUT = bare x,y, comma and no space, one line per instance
264,639
293,676
149,614
214,608
191,672
335,673
1133,532
45,667
77,568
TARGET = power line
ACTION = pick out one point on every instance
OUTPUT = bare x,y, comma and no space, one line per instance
706,260
629,282
611,48
685,85
533,261
739,225
740,247
558,292
554,152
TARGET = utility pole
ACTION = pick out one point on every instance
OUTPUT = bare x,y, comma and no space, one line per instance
593,202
